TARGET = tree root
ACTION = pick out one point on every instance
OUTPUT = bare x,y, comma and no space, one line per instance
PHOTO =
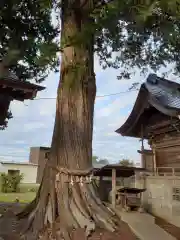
78,207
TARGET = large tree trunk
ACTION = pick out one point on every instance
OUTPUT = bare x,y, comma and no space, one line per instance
67,199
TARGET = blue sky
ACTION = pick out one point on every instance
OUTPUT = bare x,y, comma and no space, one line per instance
33,121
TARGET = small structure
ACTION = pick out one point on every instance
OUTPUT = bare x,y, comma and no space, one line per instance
156,118
12,88
115,171
130,198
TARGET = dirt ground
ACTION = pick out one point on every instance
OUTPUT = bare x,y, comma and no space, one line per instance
171,229
9,227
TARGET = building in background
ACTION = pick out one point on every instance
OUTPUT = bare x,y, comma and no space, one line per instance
29,170
39,156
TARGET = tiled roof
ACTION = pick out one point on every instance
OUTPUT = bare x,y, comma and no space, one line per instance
156,96
166,92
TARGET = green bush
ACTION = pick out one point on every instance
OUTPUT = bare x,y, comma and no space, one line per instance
10,183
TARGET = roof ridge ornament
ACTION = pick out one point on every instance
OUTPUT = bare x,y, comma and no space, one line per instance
152,78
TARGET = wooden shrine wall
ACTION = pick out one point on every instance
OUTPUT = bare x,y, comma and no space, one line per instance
167,150
168,157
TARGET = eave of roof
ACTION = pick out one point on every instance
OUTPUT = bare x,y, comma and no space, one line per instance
11,85
135,113
19,84
145,152
18,163
121,171
45,148
158,93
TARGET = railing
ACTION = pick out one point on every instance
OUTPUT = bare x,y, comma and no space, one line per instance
167,171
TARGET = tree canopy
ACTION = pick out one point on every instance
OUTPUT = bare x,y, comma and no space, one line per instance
131,34
28,39
126,163
139,34
128,34
96,159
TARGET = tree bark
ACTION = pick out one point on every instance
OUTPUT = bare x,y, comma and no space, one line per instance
67,200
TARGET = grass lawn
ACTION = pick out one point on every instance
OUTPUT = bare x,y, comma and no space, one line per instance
26,194
28,187
23,197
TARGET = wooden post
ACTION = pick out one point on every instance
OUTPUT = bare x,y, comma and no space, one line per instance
154,160
143,159
114,187
101,188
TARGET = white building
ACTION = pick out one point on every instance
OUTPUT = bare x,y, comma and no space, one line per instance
29,170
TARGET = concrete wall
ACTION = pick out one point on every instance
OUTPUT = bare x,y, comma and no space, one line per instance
34,155
147,159
29,171
159,199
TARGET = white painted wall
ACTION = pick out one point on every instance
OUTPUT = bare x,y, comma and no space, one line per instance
29,171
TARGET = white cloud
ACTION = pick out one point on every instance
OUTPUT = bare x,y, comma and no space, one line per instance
33,121
18,108
117,105
32,126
